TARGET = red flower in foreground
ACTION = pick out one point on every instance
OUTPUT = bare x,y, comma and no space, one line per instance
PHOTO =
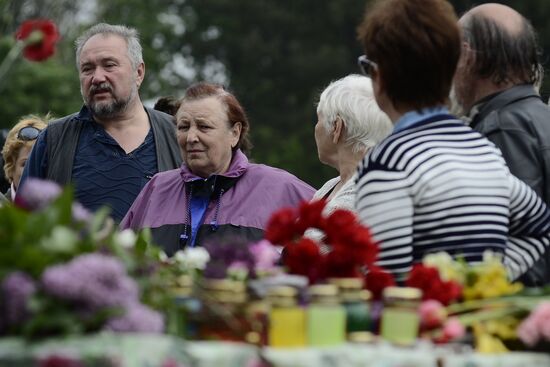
340,226
340,263
303,258
43,46
433,287
377,279
281,227
311,216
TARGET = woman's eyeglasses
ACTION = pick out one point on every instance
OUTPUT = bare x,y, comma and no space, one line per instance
28,133
367,66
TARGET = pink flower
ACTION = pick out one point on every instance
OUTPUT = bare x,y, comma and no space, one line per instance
542,319
265,255
528,332
453,329
432,314
536,326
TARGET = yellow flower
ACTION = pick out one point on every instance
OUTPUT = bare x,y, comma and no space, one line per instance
449,269
485,342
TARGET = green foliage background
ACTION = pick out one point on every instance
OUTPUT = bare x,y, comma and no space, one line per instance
276,55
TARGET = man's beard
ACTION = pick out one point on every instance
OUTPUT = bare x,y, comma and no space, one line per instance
108,110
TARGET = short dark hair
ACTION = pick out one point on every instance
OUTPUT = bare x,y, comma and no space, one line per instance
416,44
167,104
501,55
235,111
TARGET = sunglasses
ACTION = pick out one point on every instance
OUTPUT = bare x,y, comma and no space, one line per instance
28,133
367,66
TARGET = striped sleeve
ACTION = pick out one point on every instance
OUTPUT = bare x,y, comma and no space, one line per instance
529,236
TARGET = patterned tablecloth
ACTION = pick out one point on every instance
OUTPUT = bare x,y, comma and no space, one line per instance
164,351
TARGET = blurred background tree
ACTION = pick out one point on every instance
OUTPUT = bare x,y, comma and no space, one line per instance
276,55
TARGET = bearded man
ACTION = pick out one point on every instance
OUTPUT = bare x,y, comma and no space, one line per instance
114,145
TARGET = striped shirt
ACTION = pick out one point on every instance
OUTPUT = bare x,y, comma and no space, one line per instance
440,186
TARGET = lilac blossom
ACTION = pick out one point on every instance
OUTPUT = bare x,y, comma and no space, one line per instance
80,213
137,318
16,290
225,253
94,281
36,194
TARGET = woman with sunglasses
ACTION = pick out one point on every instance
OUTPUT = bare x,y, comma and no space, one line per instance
435,184
17,148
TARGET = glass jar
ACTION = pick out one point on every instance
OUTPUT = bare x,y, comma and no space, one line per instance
223,315
326,317
287,320
181,313
356,302
400,319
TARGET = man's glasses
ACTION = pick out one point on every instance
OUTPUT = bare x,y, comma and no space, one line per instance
28,133
367,66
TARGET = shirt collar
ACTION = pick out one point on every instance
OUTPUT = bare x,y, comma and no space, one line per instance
413,117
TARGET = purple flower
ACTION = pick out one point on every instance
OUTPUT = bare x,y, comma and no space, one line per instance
225,253
36,194
94,281
80,213
265,255
17,288
138,318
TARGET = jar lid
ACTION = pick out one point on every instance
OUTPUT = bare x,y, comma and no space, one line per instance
361,337
347,283
184,281
323,290
402,293
282,291
227,285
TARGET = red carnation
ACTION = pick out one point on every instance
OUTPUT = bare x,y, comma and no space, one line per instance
281,227
303,258
433,287
377,279
310,216
340,263
40,36
340,226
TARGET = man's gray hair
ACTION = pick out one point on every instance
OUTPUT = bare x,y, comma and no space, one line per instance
352,99
130,35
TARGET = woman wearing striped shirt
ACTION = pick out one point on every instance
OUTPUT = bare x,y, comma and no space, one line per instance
435,184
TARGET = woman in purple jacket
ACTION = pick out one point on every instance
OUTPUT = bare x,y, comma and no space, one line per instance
217,192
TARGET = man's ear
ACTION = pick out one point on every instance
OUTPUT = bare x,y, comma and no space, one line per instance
467,55
338,128
140,74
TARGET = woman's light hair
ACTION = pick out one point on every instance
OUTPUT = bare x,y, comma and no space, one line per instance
130,35
13,144
352,99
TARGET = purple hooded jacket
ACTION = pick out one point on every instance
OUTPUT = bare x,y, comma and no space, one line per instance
241,202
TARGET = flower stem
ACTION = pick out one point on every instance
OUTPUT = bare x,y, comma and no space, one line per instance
9,60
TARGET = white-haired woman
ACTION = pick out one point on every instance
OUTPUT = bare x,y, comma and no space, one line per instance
349,125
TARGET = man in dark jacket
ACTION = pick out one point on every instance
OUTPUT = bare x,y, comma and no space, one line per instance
495,86
114,145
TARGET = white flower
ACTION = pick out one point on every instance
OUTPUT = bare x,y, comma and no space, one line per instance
126,238
61,240
192,258
163,257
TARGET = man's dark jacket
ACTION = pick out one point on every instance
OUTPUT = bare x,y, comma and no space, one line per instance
517,121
